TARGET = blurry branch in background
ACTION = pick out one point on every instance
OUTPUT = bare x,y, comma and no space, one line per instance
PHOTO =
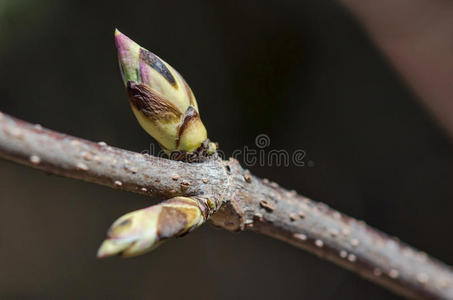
417,37
229,197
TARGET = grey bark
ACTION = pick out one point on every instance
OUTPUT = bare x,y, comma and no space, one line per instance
247,203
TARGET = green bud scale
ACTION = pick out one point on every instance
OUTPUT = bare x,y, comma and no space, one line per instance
143,230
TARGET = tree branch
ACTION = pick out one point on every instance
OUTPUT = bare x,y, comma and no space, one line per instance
246,202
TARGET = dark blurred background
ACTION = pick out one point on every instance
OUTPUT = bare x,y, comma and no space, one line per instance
306,73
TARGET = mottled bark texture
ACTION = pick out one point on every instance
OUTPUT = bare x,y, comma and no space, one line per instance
242,202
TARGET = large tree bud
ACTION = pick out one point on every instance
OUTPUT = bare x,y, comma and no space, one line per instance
161,100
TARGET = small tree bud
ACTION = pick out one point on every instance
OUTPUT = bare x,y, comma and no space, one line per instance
143,230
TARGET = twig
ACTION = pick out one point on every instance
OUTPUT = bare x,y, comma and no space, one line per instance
247,202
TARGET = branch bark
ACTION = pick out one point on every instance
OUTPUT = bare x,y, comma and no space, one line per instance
246,203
